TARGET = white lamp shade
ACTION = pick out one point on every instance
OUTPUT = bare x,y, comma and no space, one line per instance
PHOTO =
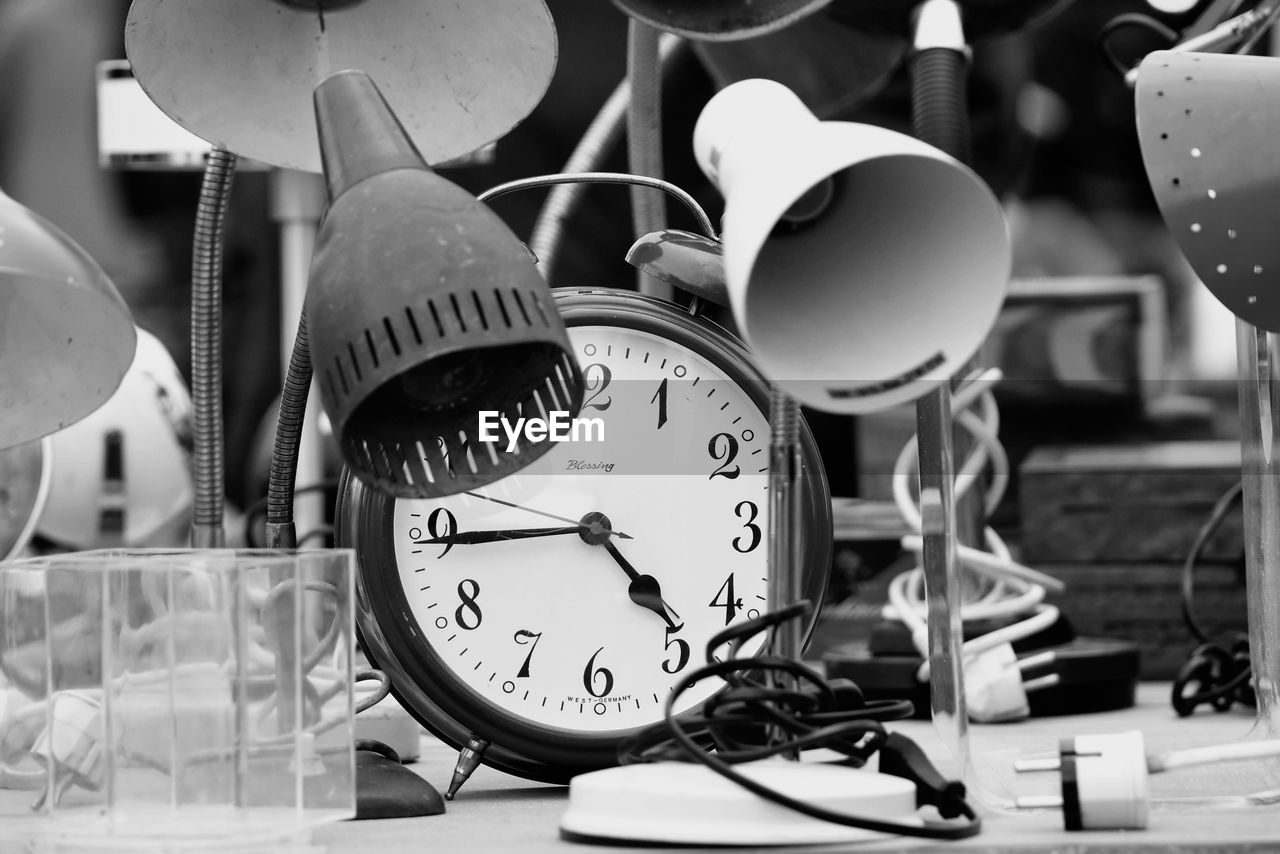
890,290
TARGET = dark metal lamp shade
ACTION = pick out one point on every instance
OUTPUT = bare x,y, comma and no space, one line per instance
424,310
719,20
66,336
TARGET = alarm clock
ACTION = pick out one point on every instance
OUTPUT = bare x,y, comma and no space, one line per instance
548,616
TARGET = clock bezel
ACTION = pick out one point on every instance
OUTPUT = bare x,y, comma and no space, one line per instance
389,632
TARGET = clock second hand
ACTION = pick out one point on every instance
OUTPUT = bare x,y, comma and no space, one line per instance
483,497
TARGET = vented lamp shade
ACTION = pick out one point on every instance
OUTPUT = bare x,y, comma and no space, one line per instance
66,336
423,311
719,20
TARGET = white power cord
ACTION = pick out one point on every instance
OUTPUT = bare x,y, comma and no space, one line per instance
994,686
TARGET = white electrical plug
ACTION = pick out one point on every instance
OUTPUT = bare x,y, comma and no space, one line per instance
995,684
1103,781
993,689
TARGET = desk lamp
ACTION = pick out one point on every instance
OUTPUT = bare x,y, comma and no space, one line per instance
864,268
1206,123
425,310
242,74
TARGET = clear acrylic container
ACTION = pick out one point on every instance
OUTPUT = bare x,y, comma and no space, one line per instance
176,699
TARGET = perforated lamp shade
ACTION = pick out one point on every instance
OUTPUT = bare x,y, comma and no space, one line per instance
719,20
66,336
1208,125
423,310
240,73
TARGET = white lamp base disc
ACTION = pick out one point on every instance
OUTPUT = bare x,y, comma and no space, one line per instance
688,804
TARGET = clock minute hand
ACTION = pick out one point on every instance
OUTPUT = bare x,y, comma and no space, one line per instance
467,538
536,512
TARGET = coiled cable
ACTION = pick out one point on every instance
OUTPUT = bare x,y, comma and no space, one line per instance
735,725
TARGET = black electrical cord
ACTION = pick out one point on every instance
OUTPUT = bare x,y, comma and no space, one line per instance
739,725
1214,674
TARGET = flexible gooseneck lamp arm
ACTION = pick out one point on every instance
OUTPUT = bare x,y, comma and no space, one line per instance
207,530
281,532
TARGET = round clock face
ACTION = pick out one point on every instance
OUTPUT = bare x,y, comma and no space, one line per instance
551,612
671,465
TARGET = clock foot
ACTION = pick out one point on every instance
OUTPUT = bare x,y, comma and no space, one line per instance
468,760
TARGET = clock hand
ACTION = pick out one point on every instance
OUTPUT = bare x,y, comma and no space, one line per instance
644,590
467,538
483,497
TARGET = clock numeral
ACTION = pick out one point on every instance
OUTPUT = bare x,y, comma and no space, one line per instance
731,604
442,523
660,398
468,592
749,525
593,673
724,447
596,385
526,637
682,651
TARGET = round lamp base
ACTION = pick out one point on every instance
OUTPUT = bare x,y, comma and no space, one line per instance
687,804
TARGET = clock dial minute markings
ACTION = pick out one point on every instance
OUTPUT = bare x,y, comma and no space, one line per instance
515,506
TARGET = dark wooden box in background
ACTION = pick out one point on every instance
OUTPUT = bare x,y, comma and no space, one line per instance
1114,504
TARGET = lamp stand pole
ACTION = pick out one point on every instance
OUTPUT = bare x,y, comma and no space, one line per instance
297,204
1258,356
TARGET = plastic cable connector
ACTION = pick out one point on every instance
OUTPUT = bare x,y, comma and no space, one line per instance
902,757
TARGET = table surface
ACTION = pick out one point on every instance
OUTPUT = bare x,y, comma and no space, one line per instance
495,812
